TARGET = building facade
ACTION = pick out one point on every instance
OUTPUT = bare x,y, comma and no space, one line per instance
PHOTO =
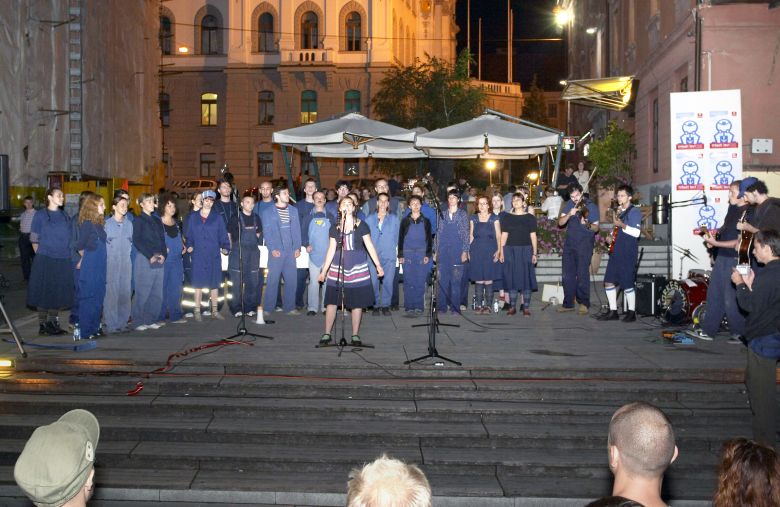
235,72
677,46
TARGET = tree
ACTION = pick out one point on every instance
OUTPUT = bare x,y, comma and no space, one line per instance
611,157
431,94
534,105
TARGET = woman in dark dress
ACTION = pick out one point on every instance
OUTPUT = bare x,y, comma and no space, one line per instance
91,247
518,241
173,268
51,276
346,269
484,254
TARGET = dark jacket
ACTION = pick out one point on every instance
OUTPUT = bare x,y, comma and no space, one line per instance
762,303
405,223
148,235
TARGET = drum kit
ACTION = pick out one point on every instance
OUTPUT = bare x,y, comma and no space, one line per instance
685,299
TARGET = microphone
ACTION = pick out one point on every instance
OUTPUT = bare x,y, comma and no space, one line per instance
704,198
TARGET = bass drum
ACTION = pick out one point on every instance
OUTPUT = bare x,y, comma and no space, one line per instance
681,298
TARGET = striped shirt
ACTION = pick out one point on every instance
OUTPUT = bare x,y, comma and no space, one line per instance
284,214
25,221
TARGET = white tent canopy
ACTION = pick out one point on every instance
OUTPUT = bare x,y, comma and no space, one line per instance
378,148
487,136
352,129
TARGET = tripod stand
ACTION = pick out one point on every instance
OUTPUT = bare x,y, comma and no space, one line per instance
433,316
241,330
11,329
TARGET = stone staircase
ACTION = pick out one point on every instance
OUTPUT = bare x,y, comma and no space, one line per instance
212,435
654,261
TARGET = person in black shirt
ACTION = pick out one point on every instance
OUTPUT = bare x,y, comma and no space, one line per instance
518,253
759,295
247,268
566,179
721,294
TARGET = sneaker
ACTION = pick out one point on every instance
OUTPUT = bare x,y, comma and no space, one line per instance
43,330
583,310
238,314
153,326
250,314
55,329
325,339
161,323
463,308
293,312
311,313
142,328
180,321
608,315
355,341
698,333
512,311
189,315
563,309
278,309
630,316
386,311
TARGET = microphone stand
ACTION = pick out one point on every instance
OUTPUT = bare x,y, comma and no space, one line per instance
241,330
679,204
433,316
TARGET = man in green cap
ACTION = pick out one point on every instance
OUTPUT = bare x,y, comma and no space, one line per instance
56,467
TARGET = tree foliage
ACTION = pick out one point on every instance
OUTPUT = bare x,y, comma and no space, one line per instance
534,105
431,94
611,157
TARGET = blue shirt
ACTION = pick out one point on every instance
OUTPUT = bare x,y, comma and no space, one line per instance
575,231
315,231
384,237
51,230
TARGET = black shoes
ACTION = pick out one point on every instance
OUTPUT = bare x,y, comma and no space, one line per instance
630,316
386,311
609,315
356,342
51,329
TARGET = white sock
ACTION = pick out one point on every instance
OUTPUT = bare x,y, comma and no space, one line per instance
630,296
612,298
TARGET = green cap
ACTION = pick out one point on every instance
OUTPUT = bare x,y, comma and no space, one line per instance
57,459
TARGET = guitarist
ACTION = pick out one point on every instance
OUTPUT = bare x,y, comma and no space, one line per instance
621,269
721,293
766,210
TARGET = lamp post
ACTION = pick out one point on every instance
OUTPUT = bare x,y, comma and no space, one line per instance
490,165
533,178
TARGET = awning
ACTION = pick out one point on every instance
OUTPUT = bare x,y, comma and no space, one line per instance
613,93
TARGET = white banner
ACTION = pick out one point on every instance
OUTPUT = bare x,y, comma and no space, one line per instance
706,141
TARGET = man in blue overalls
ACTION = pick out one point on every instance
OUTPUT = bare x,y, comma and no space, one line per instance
581,219
384,234
282,233
315,236
452,250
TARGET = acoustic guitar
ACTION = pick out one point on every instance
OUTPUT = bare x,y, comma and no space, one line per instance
621,214
744,246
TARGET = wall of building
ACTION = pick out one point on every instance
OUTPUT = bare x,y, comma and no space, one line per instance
391,31
121,134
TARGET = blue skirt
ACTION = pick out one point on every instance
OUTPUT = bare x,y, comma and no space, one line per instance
51,283
519,270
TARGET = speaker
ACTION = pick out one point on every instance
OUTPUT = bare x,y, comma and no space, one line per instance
648,294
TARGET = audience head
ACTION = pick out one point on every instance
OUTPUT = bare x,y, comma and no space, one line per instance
614,501
167,205
197,201
453,197
748,476
766,245
54,197
575,191
641,441
497,202
388,482
282,194
148,201
319,199
120,205
57,463
330,195
309,187
224,189
83,196
342,188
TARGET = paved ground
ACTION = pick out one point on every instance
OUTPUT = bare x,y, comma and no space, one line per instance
546,348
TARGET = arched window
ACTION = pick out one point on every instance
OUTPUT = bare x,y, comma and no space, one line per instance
309,30
308,106
265,107
353,31
209,35
208,109
166,35
352,101
165,109
265,32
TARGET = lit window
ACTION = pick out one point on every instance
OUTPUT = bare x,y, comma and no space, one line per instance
352,101
208,109
351,168
309,30
308,106
266,33
353,30
265,107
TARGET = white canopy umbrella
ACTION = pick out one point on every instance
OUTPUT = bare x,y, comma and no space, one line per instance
353,129
487,136
378,148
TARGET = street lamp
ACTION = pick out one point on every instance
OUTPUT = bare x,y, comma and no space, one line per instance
490,165
562,16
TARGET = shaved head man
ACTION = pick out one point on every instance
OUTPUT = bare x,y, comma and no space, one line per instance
641,448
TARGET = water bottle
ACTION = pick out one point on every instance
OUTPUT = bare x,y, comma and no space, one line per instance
76,333
495,306
474,301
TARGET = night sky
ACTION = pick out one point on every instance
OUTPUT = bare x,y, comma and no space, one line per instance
533,20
